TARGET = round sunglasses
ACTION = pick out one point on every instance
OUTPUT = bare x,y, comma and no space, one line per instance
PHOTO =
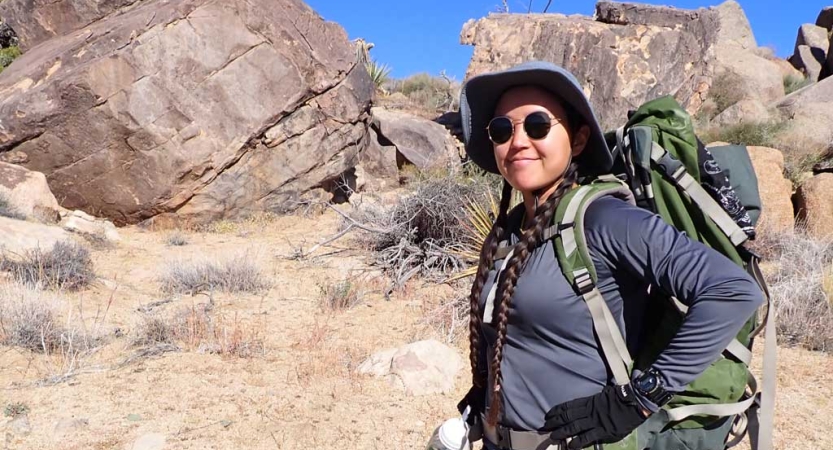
536,125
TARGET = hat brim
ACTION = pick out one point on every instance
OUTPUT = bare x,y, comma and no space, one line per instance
480,95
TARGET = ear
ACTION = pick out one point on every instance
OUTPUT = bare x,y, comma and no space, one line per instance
580,139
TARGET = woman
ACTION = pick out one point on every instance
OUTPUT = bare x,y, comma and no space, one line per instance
539,378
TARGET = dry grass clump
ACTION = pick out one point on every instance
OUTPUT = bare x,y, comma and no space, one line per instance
341,295
176,239
32,321
801,289
763,134
66,266
426,232
199,328
238,274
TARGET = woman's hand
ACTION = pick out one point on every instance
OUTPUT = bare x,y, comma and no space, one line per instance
476,398
606,417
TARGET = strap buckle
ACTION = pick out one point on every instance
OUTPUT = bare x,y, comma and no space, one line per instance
583,281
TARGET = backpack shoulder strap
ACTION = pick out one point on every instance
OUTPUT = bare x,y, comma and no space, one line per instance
577,265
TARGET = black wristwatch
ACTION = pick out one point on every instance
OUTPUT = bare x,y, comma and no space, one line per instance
649,385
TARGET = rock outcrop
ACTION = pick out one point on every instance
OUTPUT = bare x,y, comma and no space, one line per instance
631,53
28,193
203,108
423,143
814,205
20,237
809,117
37,21
776,191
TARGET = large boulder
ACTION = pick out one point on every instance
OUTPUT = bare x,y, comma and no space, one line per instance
806,59
810,117
776,191
20,237
378,163
37,21
204,108
825,18
735,52
418,141
631,53
420,368
814,203
28,193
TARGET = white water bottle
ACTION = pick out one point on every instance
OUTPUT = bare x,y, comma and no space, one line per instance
453,434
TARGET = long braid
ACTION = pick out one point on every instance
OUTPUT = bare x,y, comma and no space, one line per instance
529,241
487,257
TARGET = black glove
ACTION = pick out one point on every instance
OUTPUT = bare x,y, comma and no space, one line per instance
476,398
606,417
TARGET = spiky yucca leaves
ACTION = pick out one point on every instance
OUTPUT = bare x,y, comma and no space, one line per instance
379,73
479,217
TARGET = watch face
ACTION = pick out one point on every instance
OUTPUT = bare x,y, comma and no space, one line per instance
646,382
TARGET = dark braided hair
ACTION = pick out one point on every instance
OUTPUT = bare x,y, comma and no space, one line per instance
487,257
530,239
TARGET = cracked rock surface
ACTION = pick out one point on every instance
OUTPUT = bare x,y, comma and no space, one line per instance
202,108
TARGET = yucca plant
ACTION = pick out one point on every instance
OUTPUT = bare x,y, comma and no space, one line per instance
378,73
479,217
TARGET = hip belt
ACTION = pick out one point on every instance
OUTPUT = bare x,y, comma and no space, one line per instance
507,438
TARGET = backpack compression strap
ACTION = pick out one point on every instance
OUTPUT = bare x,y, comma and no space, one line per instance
676,172
577,266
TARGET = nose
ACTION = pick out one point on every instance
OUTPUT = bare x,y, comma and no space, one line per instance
519,137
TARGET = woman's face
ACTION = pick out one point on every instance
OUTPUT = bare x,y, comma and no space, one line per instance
528,164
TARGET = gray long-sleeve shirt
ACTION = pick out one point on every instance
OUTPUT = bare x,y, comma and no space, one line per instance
551,354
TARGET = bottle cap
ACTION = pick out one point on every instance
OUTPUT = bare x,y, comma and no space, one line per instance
454,434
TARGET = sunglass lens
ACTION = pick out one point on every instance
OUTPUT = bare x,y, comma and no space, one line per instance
537,125
500,130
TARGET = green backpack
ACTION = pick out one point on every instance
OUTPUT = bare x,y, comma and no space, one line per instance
659,163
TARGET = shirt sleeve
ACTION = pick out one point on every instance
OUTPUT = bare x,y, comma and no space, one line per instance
720,295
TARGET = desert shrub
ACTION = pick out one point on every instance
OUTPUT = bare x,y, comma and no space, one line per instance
8,210
726,90
15,409
801,288
341,295
763,134
237,274
793,83
7,55
32,325
428,92
176,239
425,233
29,319
66,266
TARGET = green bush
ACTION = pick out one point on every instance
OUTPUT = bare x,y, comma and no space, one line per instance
763,134
7,55
793,83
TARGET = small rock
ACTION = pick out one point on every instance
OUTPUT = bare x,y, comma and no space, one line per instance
149,441
81,222
421,368
64,427
19,426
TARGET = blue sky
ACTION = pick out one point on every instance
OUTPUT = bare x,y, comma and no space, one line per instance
424,35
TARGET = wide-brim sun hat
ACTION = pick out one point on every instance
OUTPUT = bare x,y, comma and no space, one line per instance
480,96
